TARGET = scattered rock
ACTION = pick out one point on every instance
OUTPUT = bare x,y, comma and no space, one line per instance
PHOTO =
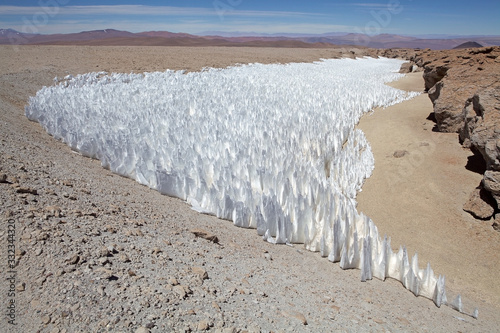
53,211
400,153
3,178
496,226
203,325
173,281
46,320
182,291
200,272
205,235
100,290
123,257
26,190
73,260
296,315
21,286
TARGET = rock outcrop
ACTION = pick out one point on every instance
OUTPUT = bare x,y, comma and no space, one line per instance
464,87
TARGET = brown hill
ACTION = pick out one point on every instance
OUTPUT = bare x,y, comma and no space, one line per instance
467,45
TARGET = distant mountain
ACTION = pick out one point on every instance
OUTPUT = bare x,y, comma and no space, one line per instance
8,31
165,38
166,34
258,34
467,45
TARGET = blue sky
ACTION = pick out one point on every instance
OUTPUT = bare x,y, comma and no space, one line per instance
458,17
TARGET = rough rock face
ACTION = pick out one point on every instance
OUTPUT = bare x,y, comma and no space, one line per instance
464,87
480,204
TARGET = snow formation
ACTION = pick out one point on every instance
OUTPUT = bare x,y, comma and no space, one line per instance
271,147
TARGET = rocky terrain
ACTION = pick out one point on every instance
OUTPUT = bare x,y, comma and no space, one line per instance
95,252
464,87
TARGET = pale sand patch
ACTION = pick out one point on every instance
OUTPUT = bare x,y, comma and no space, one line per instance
417,199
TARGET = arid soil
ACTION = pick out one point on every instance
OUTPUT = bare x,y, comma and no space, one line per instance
96,252
417,191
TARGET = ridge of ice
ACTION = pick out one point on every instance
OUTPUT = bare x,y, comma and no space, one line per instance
271,147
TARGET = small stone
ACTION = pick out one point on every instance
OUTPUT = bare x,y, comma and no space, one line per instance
100,290
41,280
75,307
46,320
3,178
156,250
53,211
67,183
203,325
179,290
104,252
73,260
104,323
205,235
21,286
26,190
103,261
110,229
216,306
136,232
298,316
142,330
335,308
200,272
20,252
173,281
400,153
123,257
496,226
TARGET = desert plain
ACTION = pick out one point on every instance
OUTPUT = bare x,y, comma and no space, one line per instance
98,252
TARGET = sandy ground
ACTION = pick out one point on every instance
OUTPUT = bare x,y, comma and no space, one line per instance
252,286
417,199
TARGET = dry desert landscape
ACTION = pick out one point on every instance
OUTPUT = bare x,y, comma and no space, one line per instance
96,252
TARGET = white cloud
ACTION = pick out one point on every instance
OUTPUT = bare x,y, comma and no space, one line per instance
141,10
371,5
138,18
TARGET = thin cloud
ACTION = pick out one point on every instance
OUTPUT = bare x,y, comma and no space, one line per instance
141,10
370,5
